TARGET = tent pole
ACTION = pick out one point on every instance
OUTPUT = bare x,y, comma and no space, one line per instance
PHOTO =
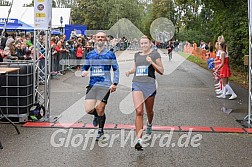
6,21
248,117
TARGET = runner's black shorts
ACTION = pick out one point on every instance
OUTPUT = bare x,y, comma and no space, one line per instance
98,93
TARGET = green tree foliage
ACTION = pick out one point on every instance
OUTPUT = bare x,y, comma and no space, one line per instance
207,19
100,14
199,29
146,17
130,9
92,13
187,13
230,19
162,8
158,9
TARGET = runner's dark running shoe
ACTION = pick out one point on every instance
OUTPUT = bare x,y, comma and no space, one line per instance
138,146
99,136
149,128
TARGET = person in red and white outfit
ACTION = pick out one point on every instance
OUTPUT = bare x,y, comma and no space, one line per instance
225,72
217,62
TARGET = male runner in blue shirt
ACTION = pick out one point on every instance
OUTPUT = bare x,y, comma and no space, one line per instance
99,63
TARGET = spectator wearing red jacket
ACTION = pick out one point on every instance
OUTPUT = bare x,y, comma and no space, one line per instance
79,54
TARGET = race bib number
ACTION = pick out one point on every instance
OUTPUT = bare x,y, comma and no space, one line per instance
97,71
142,71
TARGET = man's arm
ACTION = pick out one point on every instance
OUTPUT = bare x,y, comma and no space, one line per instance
115,68
85,67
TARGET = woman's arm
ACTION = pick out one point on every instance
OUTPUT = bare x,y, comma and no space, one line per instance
217,61
158,66
131,71
222,61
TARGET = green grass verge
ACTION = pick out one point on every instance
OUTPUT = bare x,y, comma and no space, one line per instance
239,78
194,59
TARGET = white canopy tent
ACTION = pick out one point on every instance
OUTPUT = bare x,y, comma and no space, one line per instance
26,15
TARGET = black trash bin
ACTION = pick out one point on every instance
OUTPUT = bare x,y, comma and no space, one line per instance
16,92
